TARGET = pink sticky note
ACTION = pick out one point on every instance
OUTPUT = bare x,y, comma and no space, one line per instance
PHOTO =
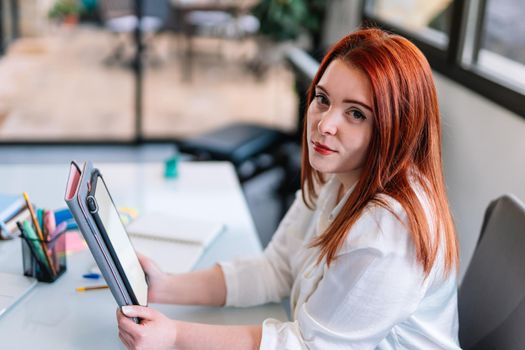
74,242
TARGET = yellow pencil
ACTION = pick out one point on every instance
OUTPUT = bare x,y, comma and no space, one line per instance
85,289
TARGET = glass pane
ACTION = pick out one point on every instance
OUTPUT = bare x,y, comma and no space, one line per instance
212,69
56,82
502,47
219,87
426,19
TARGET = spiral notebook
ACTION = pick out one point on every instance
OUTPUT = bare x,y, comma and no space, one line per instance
174,243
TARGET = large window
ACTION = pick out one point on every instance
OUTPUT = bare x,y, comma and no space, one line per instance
428,20
495,41
479,43
6,23
70,71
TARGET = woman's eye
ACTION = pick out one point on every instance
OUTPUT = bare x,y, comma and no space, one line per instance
321,99
356,114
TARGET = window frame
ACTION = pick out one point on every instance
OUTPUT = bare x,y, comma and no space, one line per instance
448,62
9,8
2,31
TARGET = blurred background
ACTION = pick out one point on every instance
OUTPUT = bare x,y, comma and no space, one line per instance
102,79
69,70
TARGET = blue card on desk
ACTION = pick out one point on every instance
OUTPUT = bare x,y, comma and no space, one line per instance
11,210
10,205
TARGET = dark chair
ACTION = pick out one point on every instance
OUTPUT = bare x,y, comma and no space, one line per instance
251,148
491,298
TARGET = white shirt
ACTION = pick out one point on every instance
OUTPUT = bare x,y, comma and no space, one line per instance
373,296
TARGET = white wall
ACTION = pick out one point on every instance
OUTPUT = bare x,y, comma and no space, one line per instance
342,18
484,157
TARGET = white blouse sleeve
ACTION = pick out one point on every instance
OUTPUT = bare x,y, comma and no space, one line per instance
374,283
267,278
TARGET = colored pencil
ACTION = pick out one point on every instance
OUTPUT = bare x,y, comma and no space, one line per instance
85,289
39,232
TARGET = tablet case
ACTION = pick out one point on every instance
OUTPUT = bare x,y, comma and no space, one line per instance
75,197
98,181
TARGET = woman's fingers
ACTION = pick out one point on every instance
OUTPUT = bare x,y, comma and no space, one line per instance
125,324
149,266
143,259
154,331
146,262
142,312
126,339
124,336
128,330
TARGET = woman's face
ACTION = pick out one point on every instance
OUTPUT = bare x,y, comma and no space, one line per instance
340,121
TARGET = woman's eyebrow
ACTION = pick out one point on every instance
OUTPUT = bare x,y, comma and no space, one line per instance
320,87
364,105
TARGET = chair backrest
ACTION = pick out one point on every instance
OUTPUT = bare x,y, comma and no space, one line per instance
118,8
157,8
491,299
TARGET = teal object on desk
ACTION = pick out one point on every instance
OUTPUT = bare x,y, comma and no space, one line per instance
171,168
40,217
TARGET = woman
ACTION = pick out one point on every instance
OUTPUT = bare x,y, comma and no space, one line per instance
367,252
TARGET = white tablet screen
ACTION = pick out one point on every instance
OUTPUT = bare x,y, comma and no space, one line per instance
122,246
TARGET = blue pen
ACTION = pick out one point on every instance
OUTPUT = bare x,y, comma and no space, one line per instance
93,276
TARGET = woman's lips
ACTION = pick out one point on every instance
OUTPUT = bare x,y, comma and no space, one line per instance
322,149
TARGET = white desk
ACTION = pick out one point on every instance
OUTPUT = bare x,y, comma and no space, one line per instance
55,316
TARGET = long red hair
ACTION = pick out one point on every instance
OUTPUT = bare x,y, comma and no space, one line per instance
406,137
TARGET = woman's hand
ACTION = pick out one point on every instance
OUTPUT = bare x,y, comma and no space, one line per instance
204,287
158,280
155,331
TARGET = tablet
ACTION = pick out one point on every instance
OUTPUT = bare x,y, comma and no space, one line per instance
108,222
99,222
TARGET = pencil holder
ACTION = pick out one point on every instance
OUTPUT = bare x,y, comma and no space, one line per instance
44,260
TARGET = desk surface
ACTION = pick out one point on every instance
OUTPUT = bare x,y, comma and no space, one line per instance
55,316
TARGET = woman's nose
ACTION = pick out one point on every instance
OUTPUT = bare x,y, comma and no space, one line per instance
327,124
